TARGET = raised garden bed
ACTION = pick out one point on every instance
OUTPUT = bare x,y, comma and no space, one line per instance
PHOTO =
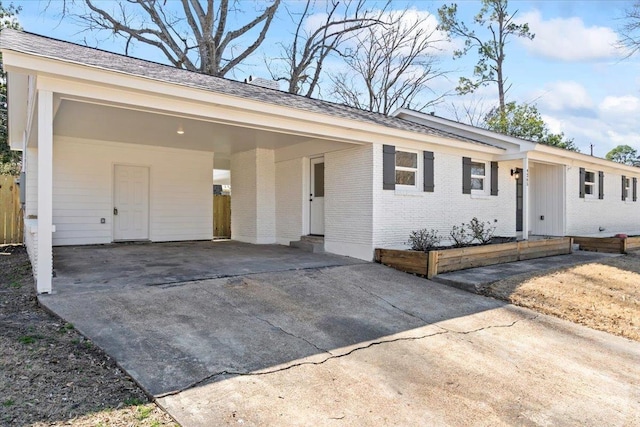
438,261
614,245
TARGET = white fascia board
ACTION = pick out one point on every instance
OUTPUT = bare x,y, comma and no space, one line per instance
116,87
572,158
483,135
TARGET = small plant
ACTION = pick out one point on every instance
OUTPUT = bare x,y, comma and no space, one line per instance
423,240
143,412
481,231
8,402
15,285
460,236
133,401
29,339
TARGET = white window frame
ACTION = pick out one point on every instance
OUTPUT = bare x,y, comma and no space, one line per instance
486,185
593,184
628,188
416,170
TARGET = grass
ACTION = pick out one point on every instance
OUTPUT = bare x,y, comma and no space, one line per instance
603,295
29,339
133,401
143,412
8,402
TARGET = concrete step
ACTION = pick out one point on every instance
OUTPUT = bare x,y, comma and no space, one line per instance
314,244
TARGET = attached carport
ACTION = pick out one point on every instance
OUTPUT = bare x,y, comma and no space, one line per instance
131,265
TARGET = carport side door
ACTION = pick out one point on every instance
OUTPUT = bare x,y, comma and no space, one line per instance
316,198
131,203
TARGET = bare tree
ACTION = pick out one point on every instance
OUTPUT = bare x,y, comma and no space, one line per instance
472,111
630,32
489,69
192,34
302,59
390,65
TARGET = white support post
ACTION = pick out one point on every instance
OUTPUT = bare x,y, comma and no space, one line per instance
525,198
45,192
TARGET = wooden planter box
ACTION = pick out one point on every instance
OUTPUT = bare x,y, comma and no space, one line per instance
612,245
445,260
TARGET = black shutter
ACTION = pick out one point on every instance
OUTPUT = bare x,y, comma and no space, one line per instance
466,175
388,167
635,189
429,183
600,185
624,188
494,178
583,173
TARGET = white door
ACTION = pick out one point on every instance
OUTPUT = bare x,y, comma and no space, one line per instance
316,201
131,203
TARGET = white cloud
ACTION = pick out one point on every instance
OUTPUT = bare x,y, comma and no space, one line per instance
563,95
569,39
620,105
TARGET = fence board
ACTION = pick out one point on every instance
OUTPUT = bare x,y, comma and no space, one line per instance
601,244
633,243
11,221
408,261
221,216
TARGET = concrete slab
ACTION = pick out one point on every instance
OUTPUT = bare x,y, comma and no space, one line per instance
476,279
354,344
80,268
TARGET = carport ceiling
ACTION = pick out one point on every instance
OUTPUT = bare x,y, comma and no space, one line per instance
108,123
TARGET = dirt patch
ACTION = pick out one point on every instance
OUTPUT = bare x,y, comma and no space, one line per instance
51,375
603,295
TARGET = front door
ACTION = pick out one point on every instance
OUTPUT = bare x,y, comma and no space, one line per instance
131,203
316,199
519,200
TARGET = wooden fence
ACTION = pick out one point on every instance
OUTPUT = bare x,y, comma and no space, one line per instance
441,261
11,221
221,216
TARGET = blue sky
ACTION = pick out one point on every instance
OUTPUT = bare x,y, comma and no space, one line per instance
580,81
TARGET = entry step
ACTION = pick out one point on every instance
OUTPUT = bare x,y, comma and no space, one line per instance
314,244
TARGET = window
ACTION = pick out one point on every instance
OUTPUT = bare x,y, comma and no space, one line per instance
406,169
478,177
590,184
626,188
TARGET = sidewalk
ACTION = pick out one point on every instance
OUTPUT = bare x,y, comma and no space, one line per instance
475,279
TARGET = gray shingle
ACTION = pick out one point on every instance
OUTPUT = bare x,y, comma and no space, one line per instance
69,52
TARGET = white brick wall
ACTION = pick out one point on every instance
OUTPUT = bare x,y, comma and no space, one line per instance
253,201
290,200
585,216
397,213
31,243
180,193
349,202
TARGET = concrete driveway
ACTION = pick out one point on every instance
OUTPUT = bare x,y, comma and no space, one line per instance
350,344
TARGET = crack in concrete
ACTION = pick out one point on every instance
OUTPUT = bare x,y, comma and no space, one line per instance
296,365
444,331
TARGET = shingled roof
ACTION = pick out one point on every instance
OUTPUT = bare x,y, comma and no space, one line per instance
25,42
